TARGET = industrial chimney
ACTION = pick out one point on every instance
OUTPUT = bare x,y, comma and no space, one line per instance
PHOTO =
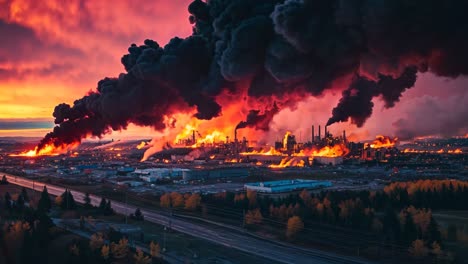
326,135
344,136
313,134
319,135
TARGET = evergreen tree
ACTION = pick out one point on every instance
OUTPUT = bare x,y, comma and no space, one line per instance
433,232
102,205
87,201
68,202
138,215
108,209
391,225
4,180
410,232
44,204
20,202
24,193
8,201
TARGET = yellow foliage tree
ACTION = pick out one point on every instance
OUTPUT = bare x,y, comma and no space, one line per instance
295,225
105,251
192,202
165,200
58,200
253,217
120,250
418,249
436,250
177,199
140,257
96,241
155,250
252,197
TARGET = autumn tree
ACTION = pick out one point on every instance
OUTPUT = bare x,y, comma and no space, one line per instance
294,226
306,198
165,200
436,250
252,197
44,202
96,241
155,250
177,199
119,250
140,257
253,217
105,252
418,249
192,202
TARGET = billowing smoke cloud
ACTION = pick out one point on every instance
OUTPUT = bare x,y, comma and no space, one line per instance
276,50
257,120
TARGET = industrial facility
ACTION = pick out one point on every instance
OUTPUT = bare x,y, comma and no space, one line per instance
284,186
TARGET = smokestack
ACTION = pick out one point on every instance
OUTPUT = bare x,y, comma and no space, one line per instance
326,135
313,134
344,136
193,137
319,135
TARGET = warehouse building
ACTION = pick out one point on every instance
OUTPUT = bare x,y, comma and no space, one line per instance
286,185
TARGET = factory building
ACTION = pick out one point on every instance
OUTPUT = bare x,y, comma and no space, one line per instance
324,160
286,185
214,173
153,174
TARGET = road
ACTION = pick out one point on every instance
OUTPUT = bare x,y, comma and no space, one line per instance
280,252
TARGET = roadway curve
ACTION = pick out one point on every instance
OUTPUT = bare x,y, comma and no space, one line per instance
279,252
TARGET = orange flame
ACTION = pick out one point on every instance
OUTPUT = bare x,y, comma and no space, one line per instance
47,150
383,142
337,150
270,152
141,145
440,151
289,162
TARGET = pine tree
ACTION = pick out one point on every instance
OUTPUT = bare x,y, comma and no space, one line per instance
68,202
108,208
24,193
4,180
44,202
8,201
102,205
138,214
20,202
87,201
410,231
433,232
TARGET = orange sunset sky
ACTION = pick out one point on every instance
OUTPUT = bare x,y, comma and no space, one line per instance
51,52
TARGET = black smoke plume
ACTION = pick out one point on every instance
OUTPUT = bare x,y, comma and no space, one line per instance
258,120
276,49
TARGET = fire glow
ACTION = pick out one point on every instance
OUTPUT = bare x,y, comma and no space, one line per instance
47,150
440,151
383,142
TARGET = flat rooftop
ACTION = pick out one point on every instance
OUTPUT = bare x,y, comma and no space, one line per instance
284,183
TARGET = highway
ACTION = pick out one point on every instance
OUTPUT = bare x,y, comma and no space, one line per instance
279,252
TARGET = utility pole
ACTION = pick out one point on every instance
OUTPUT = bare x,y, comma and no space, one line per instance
243,218
164,242
126,206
